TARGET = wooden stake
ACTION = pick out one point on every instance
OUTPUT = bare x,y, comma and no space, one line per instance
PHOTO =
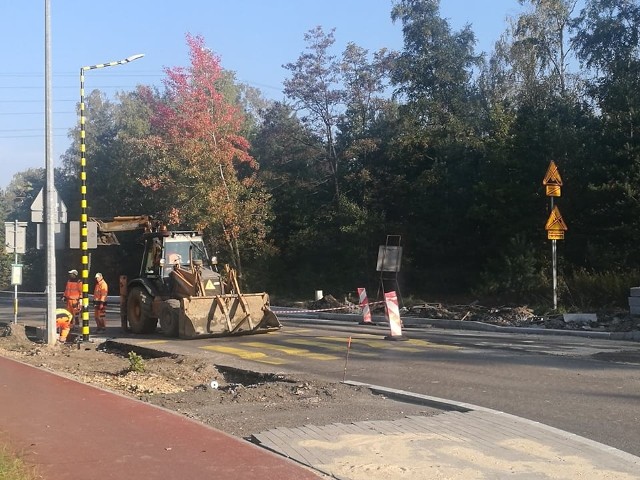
344,376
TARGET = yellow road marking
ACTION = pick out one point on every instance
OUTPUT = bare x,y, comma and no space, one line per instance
377,343
330,346
381,344
244,354
151,342
427,344
292,351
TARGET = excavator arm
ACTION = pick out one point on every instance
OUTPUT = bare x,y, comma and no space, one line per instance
107,228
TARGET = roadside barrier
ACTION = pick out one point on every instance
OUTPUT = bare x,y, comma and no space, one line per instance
364,305
393,315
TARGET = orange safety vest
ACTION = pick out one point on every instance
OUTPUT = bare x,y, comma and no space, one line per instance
101,291
73,290
63,315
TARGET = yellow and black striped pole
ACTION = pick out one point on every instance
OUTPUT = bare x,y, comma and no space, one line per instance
84,228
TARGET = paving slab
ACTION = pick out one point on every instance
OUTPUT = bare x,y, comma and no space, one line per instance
453,445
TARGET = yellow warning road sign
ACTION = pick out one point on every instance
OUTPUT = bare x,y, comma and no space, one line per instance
555,235
555,221
553,176
555,225
552,180
553,190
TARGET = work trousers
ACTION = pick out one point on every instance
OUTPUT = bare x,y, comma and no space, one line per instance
73,305
100,312
63,325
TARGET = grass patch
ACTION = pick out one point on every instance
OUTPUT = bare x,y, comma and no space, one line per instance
13,468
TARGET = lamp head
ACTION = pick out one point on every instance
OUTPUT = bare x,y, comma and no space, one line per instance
134,57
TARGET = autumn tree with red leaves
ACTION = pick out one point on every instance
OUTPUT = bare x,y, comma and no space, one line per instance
198,158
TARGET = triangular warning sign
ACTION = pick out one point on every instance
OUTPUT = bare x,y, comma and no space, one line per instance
553,176
555,221
209,285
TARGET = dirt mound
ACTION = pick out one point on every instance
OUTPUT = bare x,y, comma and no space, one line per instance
235,401
14,337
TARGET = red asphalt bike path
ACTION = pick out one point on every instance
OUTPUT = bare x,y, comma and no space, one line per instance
74,431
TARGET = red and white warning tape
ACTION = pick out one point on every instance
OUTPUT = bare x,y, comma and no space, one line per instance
324,309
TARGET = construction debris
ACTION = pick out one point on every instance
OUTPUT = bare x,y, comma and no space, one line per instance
329,302
505,316
523,316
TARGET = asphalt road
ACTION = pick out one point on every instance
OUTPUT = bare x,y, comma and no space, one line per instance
590,387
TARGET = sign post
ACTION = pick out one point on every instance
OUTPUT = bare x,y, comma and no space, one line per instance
555,225
16,240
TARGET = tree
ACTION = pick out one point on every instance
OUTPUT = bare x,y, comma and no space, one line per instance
434,70
17,199
541,50
112,169
287,151
315,89
437,147
607,42
198,161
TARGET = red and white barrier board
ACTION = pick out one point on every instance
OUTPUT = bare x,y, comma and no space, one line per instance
364,305
393,315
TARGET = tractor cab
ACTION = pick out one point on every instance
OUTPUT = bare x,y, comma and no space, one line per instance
176,255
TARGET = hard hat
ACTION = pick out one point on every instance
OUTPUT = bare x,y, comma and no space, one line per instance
98,275
73,272
61,312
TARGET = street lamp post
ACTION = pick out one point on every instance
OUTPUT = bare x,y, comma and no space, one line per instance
84,228
51,207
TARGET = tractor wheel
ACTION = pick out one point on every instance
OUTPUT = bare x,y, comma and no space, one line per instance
169,317
139,311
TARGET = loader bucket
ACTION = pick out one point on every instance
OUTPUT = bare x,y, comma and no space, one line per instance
228,314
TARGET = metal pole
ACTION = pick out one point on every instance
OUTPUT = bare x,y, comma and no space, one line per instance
555,268
555,275
83,219
51,200
84,228
15,262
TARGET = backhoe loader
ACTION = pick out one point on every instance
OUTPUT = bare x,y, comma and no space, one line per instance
179,287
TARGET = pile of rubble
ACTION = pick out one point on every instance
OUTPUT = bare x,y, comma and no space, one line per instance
330,303
522,316
506,316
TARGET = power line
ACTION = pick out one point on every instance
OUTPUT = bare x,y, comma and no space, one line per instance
33,136
75,87
36,101
33,113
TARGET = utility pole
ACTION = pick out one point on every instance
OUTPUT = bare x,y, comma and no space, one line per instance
51,204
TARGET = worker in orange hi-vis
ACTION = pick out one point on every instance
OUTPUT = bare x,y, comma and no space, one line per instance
72,295
63,323
100,293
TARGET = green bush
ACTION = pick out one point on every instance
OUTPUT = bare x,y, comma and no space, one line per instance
592,291
136,363
515,276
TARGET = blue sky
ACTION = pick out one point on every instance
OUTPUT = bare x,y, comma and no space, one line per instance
254,38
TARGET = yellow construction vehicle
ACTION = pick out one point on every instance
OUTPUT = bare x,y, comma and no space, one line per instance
179,286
